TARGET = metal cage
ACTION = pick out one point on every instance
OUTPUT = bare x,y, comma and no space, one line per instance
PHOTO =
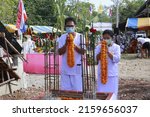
52,74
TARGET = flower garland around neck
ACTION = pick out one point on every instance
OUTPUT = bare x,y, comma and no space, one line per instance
70,50
104,62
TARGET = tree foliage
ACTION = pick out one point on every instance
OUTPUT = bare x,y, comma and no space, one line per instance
82,14
127,8
40,12
48,12
8,12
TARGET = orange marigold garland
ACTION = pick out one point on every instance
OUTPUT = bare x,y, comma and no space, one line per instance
70,51
104,63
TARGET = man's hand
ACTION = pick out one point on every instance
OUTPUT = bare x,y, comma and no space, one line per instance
79,50
62,50
98,56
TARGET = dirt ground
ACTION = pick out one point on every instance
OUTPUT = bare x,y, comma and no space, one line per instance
134,89
134,81
134,78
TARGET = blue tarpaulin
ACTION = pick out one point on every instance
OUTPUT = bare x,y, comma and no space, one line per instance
138,23
43,29
132,23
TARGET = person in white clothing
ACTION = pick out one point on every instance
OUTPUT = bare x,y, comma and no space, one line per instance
71,77
113,58
28,45
145,49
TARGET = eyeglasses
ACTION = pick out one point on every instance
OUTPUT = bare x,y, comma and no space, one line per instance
69,25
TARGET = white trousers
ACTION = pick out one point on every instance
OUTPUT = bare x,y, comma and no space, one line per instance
71,82
111,86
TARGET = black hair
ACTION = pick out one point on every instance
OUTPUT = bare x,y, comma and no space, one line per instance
109,32
69,19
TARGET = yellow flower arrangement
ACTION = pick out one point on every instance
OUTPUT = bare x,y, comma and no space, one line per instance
70,51
104,62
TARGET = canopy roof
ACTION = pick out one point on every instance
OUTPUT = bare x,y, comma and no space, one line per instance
36,29
138,23
43,29
11,28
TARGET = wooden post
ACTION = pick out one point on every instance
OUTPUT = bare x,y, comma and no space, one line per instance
9,85
3,35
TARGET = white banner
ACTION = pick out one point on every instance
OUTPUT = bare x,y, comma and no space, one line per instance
101,26
49,108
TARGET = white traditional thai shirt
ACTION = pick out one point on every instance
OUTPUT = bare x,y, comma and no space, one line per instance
112,64
77,67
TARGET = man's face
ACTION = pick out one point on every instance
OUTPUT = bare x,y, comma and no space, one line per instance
70,24
70,27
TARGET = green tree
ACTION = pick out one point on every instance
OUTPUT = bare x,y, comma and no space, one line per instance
61,9
40,12
102,17
8,11
127,8
80,10
49,12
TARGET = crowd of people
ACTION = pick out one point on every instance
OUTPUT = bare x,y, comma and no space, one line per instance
131,44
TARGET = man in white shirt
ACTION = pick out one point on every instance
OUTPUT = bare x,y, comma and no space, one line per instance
71,77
